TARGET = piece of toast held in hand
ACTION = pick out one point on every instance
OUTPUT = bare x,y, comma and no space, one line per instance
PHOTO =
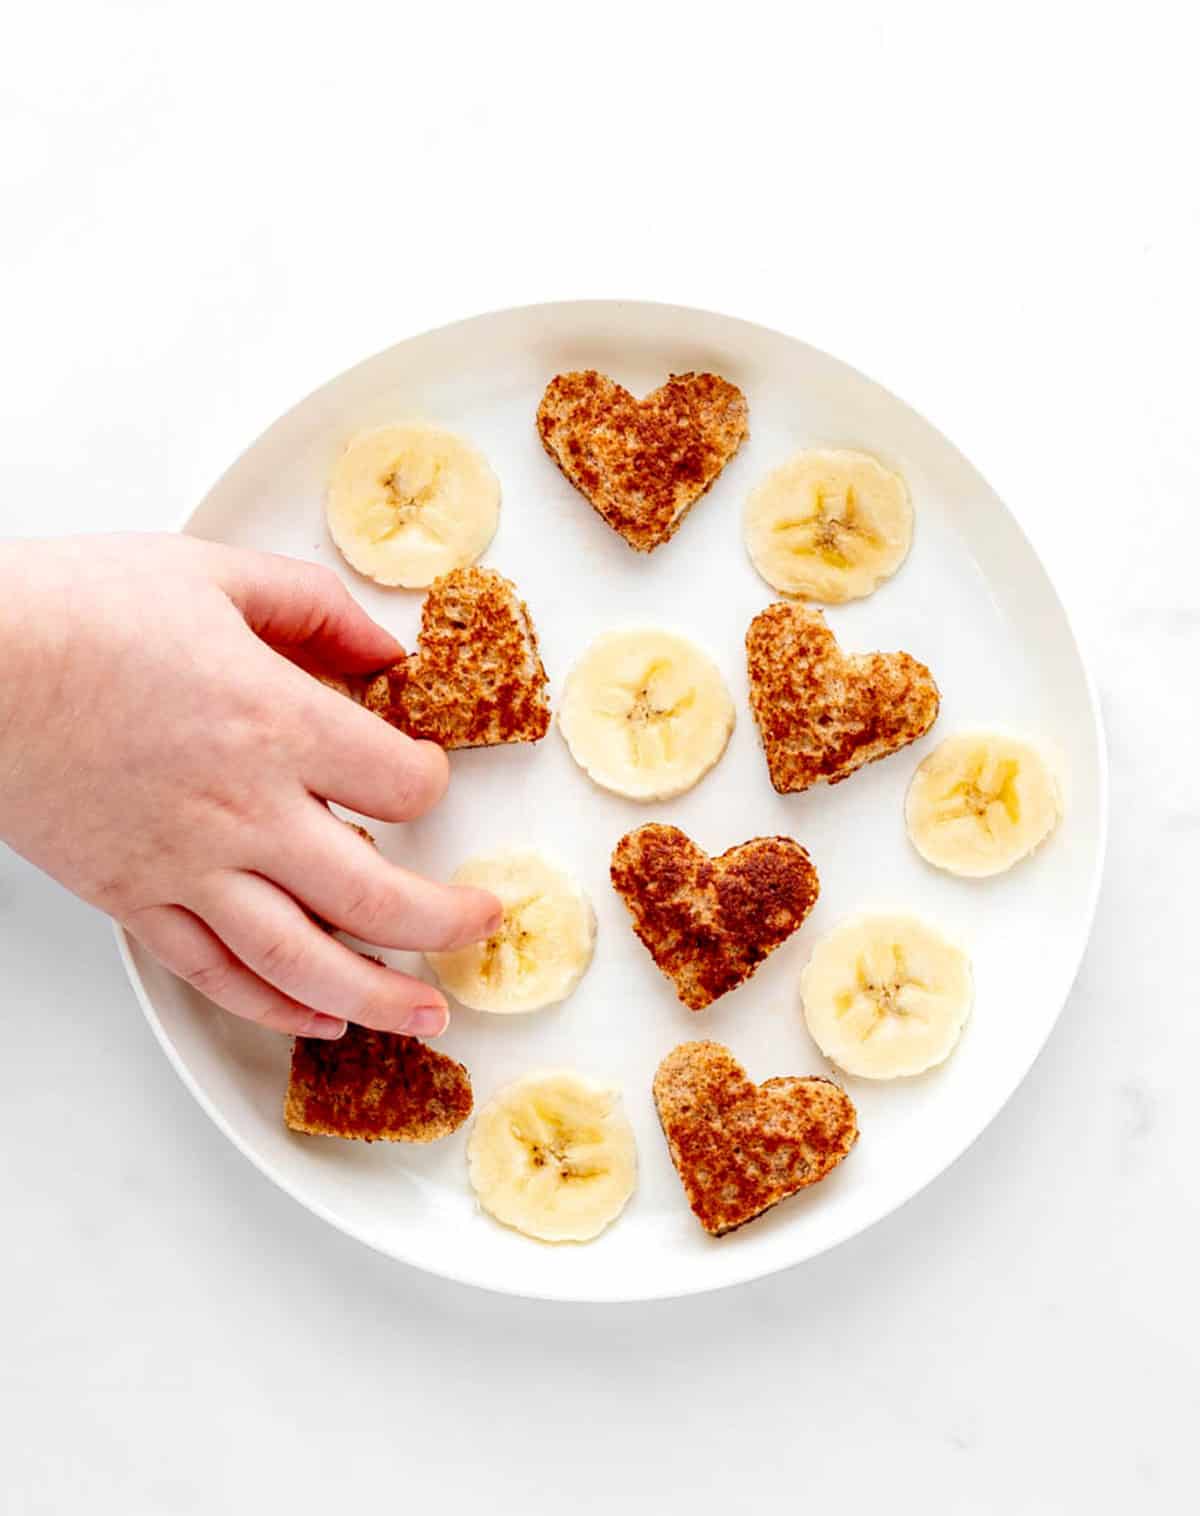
642,464
823,713
380,1086
741,1147
709,922
476,678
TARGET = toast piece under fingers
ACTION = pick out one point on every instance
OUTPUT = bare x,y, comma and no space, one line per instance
476,678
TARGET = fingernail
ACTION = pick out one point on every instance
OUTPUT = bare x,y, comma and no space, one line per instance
331,1027
493,923
428,1020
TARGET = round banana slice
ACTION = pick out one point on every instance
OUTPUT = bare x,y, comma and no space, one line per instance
544,943
829,525
553,1155
886,995
408,503
980,802
645,713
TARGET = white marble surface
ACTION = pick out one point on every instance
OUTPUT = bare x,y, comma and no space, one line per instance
206,211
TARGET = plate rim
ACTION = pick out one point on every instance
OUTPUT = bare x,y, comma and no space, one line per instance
446,1269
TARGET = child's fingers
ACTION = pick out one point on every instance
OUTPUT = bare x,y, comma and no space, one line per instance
270,933
183,944
345,881
307,611
355,758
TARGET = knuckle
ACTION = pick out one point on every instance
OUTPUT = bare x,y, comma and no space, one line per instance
421,777
283,958
371,911
405,795
377,1005
389,1010
210,978
221,803
328,593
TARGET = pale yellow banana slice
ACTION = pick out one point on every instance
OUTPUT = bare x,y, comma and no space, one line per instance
886,995
829,525
980,802
645,713
410,502
553,1155
544,944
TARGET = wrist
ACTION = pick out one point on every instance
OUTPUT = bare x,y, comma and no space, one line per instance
32,643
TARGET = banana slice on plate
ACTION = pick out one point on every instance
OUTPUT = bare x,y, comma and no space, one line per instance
645,713
544,943
553,1155
829,525
411,502
981,802
886,995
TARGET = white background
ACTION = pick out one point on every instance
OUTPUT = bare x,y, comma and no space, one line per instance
204,212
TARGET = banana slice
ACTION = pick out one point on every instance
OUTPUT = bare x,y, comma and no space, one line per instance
408,503
980,802
544,944
829,525
645,713
886,995
553,1155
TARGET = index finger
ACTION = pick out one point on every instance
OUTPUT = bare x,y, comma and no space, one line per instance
356,759
304,610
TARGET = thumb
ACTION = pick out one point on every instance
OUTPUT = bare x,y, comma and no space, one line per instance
307,613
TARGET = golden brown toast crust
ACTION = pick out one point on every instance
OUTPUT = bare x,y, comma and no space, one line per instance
642,464
738,1147
476,679
709,922
377,1086
821,713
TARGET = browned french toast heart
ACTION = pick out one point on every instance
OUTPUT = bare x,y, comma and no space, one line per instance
741,1147
642,464
709,922
823,713
380,1086
476,679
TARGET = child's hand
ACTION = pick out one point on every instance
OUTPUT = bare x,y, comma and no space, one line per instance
163,755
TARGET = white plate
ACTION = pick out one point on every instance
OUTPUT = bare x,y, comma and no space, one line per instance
973,601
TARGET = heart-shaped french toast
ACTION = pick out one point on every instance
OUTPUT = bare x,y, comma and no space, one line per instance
823,713
642,464
378,1086
741,1147
709,922
476,679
